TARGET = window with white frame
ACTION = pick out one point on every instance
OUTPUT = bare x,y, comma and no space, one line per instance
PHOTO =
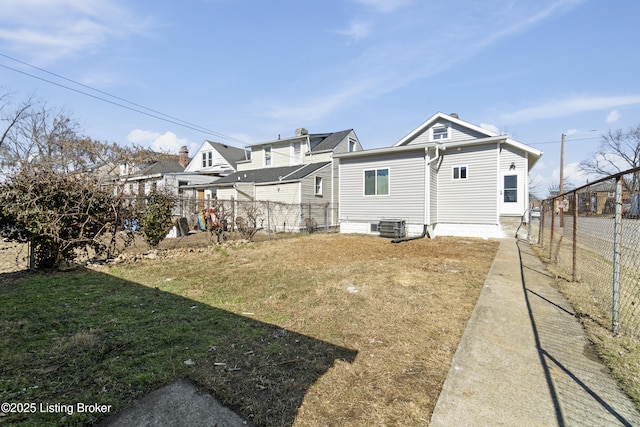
210,158
376,182
318,186
460,172
267,156
352,145
440,132
204,160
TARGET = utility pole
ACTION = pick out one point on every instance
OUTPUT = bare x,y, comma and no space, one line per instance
561,183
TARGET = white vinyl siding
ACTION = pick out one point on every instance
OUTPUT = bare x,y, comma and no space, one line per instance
296,153
509,155
472,200
309,190
343,146
267,156
406,188
285,193
455,133
225,193
208,159
282,217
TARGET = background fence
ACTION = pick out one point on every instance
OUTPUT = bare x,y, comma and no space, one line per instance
272,217
592,234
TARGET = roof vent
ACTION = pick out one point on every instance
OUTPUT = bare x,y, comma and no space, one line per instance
454,115
301,132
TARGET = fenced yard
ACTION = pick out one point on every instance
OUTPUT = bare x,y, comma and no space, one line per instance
592,237
270,216
313,330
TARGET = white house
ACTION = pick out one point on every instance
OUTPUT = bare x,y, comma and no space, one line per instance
447,176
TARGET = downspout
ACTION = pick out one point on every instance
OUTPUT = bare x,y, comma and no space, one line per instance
424,234
425,230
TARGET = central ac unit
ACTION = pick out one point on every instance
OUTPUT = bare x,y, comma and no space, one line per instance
392,228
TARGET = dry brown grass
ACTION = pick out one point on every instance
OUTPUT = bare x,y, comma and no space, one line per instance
402,307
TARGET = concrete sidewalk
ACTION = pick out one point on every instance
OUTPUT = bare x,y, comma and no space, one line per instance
524,358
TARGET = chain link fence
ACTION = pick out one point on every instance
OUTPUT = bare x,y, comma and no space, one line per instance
592,235
268,216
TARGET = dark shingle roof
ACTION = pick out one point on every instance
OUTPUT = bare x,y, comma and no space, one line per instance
326,141
283,173
167,165
231,154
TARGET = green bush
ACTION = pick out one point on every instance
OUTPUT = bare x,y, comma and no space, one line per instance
156,218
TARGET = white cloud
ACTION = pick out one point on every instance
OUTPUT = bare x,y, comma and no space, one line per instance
613,116
405,51
566,107
571,132
167,142
49,30
357,30
490,128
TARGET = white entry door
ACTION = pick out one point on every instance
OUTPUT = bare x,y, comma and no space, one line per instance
512,197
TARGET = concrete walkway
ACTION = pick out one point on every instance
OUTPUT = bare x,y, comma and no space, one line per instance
524,358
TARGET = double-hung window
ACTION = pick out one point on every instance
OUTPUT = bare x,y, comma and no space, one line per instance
318,186
297,153
204,160
440,132
460,172
376,182
210,158
267,156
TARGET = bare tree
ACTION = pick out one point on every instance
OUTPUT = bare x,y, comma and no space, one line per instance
12,118
618,151
51,194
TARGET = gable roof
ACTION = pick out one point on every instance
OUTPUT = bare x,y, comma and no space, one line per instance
442,116
327,141
318,141
231,154
275,174
165,165
533,154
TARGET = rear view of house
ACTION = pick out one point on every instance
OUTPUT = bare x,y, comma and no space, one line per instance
447,176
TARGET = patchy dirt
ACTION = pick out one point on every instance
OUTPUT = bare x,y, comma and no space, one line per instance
13,257
401,307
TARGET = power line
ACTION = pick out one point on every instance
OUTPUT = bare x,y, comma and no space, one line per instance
558,142
152,113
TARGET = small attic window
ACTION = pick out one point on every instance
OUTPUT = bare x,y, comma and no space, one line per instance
440,132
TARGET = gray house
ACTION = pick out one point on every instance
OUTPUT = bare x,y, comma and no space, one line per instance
447,176
298,171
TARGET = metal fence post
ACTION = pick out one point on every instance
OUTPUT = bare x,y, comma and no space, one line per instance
541,230
553,220
268,221
575,237
617,231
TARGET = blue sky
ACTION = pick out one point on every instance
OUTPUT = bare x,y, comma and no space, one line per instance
248,71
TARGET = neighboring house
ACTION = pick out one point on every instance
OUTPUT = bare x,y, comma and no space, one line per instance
216,159
447,176
297,171
212,161
162,174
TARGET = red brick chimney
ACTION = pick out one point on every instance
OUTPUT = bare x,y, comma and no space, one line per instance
184,156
